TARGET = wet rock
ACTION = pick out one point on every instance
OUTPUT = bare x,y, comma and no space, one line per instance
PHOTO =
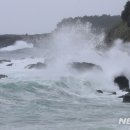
3,76
121,96
108,92
99,91
126,98
113,93
122,82
9,64
38,65
2,61
84,66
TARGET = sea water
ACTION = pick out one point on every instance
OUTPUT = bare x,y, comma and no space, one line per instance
58,97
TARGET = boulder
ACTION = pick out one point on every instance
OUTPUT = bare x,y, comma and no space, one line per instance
99,91
3,76
122,82
121,96
109,92
126,98
9,64
38,65
84,66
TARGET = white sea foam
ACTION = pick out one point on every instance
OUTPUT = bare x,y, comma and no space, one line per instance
57,97
75,44
17,45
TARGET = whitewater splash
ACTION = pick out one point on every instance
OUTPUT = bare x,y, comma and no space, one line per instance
68,45
58,97
17,45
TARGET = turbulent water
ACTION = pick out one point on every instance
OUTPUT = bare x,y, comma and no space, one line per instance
58,97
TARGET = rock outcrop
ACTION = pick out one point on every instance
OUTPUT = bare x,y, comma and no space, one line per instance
108,92
84,66
9,64
122,82
126,98
126,14
99,91
38,65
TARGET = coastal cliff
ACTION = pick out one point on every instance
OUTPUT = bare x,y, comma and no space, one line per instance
99,23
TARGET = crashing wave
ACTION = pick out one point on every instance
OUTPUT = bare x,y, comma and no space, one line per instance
17,45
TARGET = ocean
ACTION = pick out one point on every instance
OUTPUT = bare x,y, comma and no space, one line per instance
58,96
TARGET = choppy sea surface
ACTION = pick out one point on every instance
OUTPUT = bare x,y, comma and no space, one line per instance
57,97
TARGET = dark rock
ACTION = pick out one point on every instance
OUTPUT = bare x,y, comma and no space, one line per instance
126,98
83,66
127,90
113,93
99,91
10,64
3,76
38,65
7,40
122,82
126,14
2,61
121,96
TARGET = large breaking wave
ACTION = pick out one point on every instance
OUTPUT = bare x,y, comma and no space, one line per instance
58,93
69,45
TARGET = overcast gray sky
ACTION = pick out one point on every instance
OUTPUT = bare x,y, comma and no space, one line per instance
40,16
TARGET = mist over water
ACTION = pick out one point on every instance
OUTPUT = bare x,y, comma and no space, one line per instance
57,96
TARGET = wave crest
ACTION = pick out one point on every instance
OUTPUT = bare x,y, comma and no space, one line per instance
17,45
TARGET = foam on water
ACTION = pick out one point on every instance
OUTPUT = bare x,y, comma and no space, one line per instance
57,97
18,45
68,45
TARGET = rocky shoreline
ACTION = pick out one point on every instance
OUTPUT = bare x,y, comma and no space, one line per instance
121,80
10,39
99,24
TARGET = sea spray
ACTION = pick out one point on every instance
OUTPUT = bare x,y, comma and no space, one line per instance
68,45
57,97
17,45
